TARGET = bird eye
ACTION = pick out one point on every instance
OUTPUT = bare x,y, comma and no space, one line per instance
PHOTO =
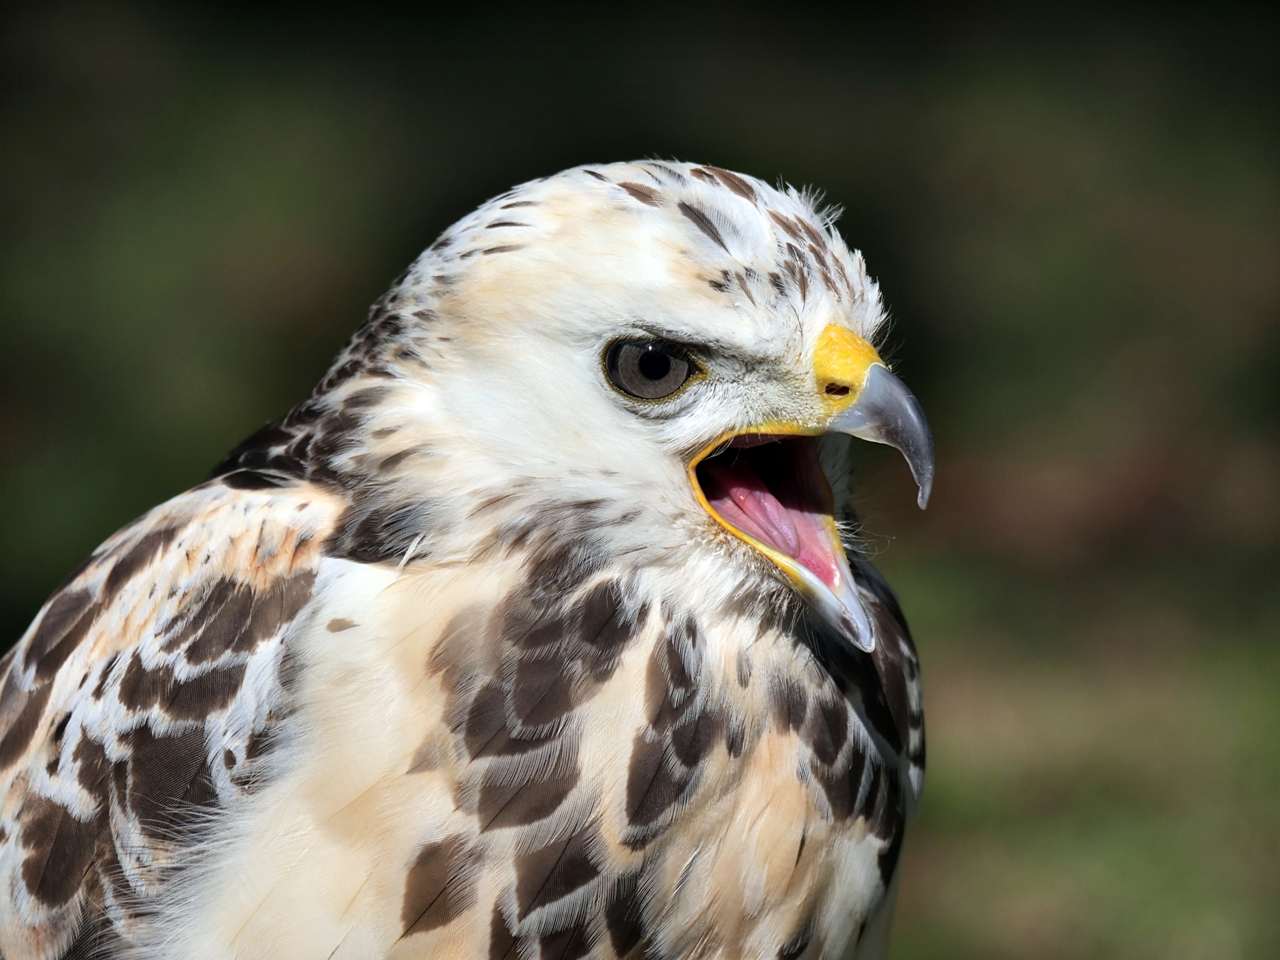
647,369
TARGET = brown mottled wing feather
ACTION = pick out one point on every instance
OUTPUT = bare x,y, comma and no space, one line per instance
141,699
898,670
894,703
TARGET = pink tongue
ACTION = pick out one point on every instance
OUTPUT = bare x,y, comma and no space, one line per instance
743,494
743,501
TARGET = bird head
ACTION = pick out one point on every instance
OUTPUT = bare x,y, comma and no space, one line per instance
665,360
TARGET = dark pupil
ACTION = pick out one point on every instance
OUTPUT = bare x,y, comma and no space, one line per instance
647,370
654,364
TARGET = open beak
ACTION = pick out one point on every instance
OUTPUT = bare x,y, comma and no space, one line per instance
765,484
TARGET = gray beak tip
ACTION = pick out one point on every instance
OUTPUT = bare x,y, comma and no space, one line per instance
887,412
859,635
924,480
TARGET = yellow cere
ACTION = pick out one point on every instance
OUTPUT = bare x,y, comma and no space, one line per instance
840,364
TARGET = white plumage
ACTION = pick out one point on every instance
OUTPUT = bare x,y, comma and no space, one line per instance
528,634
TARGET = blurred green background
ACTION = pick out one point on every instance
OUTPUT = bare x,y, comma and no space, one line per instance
1075,220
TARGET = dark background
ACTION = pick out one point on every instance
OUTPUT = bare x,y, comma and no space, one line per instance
1075,219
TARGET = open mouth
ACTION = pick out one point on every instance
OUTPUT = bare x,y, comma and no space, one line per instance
770,489
766,487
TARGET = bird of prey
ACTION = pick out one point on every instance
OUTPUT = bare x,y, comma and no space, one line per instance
538,630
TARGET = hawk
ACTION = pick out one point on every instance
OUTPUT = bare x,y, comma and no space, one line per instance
538,630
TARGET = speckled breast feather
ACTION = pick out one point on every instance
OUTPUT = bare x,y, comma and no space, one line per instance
404,678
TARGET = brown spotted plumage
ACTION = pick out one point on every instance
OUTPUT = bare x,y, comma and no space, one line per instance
142,699
529,634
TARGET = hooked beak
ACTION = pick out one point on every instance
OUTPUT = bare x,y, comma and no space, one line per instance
765,486
882,410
